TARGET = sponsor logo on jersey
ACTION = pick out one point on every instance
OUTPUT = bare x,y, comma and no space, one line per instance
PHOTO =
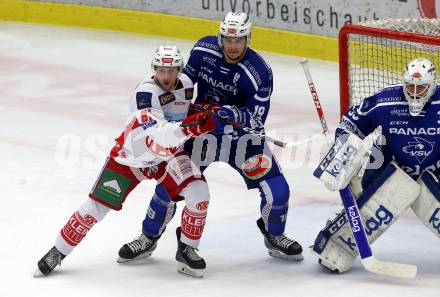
218,84
189,93
166,98
254,72
399,123
257,166
388,99
210,61
399,112
143,100
415,131
159,150
420,149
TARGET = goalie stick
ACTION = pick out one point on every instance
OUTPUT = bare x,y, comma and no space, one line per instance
259,134
368,260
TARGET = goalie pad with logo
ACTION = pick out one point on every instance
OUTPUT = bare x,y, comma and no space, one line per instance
427,205
380,204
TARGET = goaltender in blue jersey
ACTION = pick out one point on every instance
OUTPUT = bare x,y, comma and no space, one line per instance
404,165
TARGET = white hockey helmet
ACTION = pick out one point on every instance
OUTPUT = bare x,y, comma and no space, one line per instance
235,24
420,84
167,56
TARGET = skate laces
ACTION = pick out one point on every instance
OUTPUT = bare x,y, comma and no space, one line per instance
191,253
140,243
283,241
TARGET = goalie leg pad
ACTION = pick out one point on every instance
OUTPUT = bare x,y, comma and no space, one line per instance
427,205
381,204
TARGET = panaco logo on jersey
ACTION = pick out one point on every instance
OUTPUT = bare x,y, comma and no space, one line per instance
415,131
429,8
420,149
218,84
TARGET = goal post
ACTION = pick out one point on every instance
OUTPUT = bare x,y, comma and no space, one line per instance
373,55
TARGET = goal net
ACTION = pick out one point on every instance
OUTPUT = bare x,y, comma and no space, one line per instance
373,55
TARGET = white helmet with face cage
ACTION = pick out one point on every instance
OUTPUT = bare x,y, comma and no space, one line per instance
419,84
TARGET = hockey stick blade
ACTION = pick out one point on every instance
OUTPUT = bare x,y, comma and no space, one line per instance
377,266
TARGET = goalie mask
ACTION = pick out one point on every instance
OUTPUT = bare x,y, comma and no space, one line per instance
419,84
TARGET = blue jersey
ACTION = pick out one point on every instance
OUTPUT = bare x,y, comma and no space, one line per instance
247,84
410,140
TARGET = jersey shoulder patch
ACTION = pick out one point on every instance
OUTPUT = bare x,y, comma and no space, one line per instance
189,93
143,100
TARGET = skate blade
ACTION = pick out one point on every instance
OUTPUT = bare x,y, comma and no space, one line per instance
279,255
140,257
185,269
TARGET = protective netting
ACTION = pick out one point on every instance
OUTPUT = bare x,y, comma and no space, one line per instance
377,61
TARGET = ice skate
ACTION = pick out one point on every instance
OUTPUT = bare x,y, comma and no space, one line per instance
281,246
48,263
140,248
189,262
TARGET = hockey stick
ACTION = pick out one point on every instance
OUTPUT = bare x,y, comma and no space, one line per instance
368,260
259,134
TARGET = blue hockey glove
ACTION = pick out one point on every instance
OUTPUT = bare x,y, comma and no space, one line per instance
228,112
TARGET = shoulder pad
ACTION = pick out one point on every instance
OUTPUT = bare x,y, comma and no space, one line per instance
209,42
257,67
389,94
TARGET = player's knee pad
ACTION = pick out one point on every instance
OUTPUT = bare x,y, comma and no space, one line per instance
159,213
380,204
194,213
275,195
427,205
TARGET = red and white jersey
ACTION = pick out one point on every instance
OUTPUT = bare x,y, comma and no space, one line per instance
154,133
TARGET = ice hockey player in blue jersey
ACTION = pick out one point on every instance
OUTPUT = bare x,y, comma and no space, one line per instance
403,167
236,83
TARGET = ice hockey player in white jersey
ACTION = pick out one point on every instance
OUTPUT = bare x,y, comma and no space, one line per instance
149,148
403,168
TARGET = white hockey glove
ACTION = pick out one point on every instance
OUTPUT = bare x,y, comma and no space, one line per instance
344,159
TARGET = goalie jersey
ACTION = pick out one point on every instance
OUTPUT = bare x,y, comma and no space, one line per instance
154,134
412,141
